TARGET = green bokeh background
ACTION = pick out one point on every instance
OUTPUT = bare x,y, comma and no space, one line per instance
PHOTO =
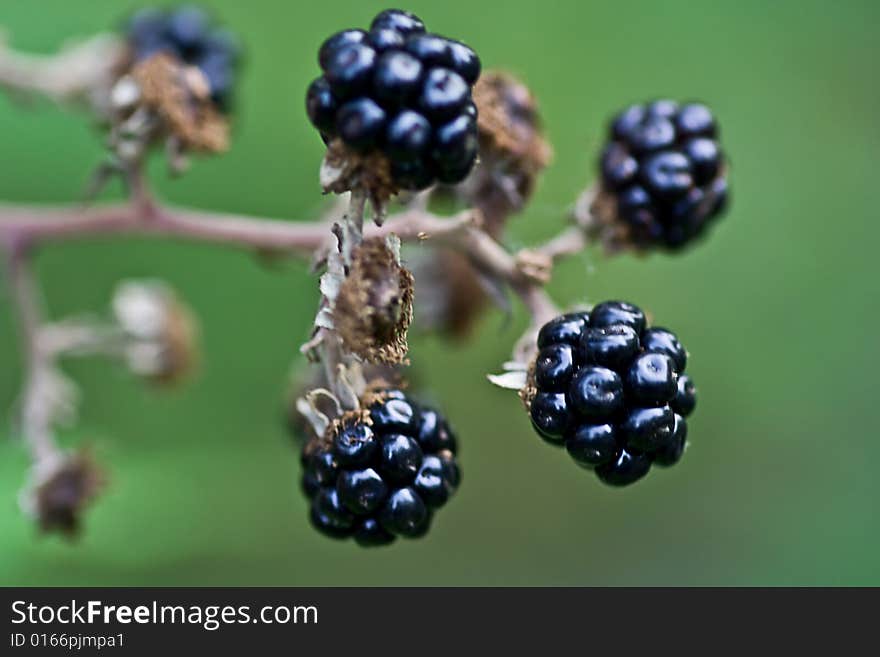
779,310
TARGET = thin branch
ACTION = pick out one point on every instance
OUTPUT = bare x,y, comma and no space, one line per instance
44,387
74,72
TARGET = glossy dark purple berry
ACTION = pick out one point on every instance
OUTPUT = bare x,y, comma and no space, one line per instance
705,157
433,482
218,71
432,50
361,491
324,466
652,135
627,468
329,516
609,313
451,468
554,368
412,174
355,445
454,174
550,415
651,379
146,26
455,143
619,168
596,393
321,106
434,433
667,175
404,513
394,414
383,39
626,122
592,444
400,458
361,123
444,94
663,108
396,78
464,61
337,42
350,70
309,484
696,120
398,20
647,429
369,533
685,396
671,452
188,27
611,346
664,341
566,329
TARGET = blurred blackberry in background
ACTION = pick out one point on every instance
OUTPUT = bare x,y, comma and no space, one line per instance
188,34
612,391
384,478
665,173
403,92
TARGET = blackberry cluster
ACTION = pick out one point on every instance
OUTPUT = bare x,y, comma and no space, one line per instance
376,481
665,169
403,92
613,391
188,34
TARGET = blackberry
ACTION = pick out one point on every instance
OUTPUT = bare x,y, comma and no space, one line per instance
188,34
402,92
665,173
611,389
383,476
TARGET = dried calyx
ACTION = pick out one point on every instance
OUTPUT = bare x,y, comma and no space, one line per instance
163,98
60,490
374,306
513,150
160,330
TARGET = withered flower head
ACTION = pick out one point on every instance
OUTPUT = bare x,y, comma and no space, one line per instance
61,492
162,333
180,96
513,151
374,307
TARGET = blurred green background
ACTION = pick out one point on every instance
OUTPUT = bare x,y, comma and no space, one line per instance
779,310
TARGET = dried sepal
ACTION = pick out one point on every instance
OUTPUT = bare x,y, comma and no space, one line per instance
344,170
161,331
180,96
530,389
60,490
513,150
374,306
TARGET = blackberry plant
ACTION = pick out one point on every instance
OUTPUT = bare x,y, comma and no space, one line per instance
406,116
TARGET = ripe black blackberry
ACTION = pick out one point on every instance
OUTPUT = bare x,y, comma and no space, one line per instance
383,477
188,34
664,172
612,391
403,92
